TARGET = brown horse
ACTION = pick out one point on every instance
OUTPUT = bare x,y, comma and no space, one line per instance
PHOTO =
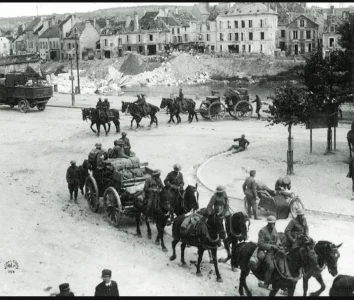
137,114
94,115
175,110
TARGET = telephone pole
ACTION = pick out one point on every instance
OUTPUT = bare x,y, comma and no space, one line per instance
72,83
77,64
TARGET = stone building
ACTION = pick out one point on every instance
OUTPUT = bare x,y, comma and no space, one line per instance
49,43
330,36
5,46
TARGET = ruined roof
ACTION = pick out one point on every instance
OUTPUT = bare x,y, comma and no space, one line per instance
147,22
78,28
51,32
246,8
32,24
332,21
64,21
169,21
39,29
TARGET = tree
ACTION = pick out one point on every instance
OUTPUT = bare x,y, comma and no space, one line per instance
290,108
20,30
328,81
346,30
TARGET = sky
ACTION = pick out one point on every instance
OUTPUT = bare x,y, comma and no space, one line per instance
12,9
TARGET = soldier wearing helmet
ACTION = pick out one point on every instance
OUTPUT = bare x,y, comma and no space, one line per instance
126,143
219,201
296,228
99,104
174,179
269,243
283,184
152,188
73,179
118,151
141,102
250,190
242,145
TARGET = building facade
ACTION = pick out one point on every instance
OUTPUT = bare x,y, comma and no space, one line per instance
247,28
49,44
5,46
330,37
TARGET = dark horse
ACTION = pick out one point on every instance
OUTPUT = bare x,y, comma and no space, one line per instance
297,258
350,139
174,109
328,256
136,112
343,285
210,227
94,115
164,210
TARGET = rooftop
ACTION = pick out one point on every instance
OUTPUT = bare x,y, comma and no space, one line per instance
246,8
78,28
32,24
52,31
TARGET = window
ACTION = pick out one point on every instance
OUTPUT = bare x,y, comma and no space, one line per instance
220,48
230,37
308,34
179,39
220,24
236,36
119,41
261,23
139,38
129,48
177,30
331,28
241,36
186,37
294,34
262,35
243,24
212,48
249,48
301,34
208,37
243,48
236,24
105,42
302,23
127,38
282,33
261,48
69,46
250,23
221,36
228,24
50,45
314,34
173,31
151,37
250,36
331,42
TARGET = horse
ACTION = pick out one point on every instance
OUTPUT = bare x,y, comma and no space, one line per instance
84,172
136,112
350,139
297,258
164,211
343,285
94,115
237,231
328,255
210,226
174,109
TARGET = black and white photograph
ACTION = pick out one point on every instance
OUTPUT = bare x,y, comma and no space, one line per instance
177,149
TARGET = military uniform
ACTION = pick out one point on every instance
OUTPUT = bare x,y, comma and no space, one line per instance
295,229
258,106
250,190
118,152
73,180
174,179
280,184
83,169
107,290
126,146
65,291
266,241
220,203
141,102
153,186
242,144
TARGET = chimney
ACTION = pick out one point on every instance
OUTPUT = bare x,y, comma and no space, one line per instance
166,11
176,10
136,21
127,21
107,23
332,9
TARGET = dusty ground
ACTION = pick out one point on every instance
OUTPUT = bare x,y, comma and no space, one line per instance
56,241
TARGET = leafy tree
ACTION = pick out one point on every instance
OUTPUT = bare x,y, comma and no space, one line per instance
346,30
290,108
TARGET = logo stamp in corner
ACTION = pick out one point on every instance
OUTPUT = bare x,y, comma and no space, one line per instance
11,266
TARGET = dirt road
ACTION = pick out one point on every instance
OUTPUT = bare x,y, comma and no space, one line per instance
56,241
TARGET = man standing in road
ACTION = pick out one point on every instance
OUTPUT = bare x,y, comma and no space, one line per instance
107,287
242,145
73,180
258,106
250,190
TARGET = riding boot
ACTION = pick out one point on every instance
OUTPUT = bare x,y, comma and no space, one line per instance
254,208
71,195
249,211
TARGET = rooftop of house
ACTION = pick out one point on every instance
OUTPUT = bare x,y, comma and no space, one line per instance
184,18
77,29
307,16
65,20
32,24
52,31
147,22
38,29
170,21
332,21
245,8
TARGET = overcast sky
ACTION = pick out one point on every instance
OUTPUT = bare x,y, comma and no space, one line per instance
29,9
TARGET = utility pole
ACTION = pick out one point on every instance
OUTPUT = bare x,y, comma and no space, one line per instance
77,64
72,83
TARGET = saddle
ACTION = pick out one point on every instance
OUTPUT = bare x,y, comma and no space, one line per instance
189,226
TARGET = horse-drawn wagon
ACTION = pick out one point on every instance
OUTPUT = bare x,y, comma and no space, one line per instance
19,89
236,103
119,182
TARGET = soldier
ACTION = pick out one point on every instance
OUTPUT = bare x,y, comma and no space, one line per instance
118,151
106,106
73,180
99,104
242,145
126,142
265,189
268,242
65,291
141,102
250,190
351,174
174,179
258,106
152,188
180,99
107,287
296,228
283,184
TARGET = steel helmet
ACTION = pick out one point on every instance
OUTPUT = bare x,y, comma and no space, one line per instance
286,180
300,211
73,162
177,167
220,189
124,133
271,219
120,142
98,145
156,172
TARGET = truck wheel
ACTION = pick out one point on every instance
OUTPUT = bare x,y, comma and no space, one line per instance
41,107
23,105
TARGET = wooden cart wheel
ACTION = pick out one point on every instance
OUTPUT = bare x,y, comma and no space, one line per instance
113,206
41,107
243,110
217,111
294,205
204,110
92,196
23,105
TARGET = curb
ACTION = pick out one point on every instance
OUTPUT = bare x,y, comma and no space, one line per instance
63,106
310,211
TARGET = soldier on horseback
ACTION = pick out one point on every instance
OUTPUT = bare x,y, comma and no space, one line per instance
142,103
180,99
101,107
296,228
152,188
118,151
269,244
174,181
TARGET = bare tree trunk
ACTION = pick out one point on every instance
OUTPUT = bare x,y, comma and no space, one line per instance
329,138
290,161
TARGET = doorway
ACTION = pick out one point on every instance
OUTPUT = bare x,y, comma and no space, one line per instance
296,49
107,54
151,49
